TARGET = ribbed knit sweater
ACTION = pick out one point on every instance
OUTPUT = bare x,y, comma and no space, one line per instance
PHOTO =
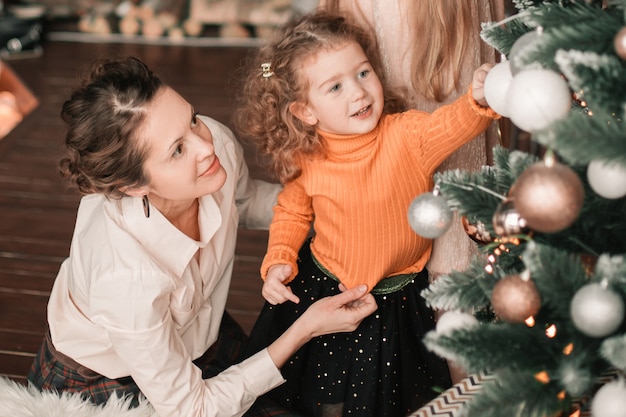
359,192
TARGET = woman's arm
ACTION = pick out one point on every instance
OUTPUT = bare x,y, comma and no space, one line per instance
340,313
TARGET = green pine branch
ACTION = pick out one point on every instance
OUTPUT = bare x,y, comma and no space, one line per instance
580,138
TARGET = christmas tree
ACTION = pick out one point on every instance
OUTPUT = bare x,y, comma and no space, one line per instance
541,309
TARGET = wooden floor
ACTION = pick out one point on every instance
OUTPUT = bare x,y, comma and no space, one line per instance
37,212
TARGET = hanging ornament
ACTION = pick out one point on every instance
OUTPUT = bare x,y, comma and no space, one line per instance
429,215
610,400
453,320
607,179
477,231
515,298
496,87
524,41
549,195
507,221
537,98
596,310
619,42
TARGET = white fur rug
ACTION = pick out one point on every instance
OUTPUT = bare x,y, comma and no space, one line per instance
17,400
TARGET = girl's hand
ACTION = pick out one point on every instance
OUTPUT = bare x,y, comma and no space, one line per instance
274,290
478,84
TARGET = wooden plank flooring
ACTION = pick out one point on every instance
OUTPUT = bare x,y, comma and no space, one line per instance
36,210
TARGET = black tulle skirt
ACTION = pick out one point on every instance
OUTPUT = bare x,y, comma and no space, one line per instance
380,369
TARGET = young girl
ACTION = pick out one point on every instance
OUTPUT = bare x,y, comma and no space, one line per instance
351,164
436,72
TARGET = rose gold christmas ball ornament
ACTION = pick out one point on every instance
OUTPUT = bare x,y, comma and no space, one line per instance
515,298
619,42
549,195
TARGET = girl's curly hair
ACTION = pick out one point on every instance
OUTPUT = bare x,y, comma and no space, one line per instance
263,115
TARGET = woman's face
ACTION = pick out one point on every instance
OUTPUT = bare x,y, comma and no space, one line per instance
181,162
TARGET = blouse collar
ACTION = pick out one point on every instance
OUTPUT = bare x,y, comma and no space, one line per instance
166,244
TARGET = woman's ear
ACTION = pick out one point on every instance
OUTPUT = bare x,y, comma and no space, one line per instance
303,112
134,191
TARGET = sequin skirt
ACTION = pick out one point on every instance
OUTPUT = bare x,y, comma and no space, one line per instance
380,369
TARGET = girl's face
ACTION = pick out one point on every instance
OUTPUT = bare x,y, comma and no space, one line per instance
345,95
181,162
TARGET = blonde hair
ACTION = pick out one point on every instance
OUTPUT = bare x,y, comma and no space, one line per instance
443,48
263,114
437,53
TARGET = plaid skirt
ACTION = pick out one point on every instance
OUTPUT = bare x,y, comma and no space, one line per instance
52,370
381,369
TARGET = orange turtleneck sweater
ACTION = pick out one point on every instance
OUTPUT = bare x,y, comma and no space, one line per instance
359,193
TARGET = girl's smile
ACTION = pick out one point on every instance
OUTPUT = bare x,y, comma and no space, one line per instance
345,95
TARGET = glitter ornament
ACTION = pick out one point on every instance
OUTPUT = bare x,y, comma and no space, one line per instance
453,320
537,98
597,311
619,42
477,231
524,41
507,221
515,298
607,179
429,215
610,400
549,195
496,87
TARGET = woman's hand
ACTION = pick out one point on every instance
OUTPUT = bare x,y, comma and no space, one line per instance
478,84
339,313
274,290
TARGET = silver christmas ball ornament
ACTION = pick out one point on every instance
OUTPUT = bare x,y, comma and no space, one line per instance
507,221
429,215
607,179
610,400
596,310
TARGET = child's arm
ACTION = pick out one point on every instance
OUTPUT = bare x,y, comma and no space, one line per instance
478,84
290,226
274,290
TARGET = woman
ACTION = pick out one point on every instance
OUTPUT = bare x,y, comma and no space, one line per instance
138,307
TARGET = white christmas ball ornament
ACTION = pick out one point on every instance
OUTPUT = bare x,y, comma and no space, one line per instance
537,98
610,400
607,179
515,54
429,215
453,320
597,311
496,87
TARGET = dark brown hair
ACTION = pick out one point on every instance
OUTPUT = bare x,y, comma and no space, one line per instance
104,117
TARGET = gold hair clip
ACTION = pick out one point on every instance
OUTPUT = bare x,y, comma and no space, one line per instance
266,67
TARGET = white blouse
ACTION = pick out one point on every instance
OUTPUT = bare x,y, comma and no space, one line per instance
133,299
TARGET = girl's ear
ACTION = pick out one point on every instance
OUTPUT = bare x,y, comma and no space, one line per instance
303,112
